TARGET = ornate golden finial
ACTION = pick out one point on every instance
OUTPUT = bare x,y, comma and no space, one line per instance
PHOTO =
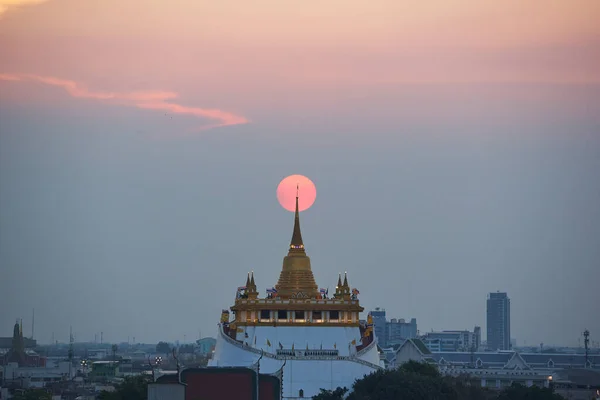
251,288
338,287
345,288
297,245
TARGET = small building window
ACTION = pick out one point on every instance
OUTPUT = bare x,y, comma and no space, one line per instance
265,314
299,315
334,315
317,315
282,314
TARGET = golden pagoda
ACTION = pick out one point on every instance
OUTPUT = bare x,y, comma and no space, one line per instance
296,299
297,331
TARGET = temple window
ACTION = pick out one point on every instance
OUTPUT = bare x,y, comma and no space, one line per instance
334,315
299,315
282,315
317,316
265,315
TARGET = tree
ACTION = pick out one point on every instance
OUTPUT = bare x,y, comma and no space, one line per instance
337,394
415,381
163,348
520,392
418,381
132,388
33,394
420,368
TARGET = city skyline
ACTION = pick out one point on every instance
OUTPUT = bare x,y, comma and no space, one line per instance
454,147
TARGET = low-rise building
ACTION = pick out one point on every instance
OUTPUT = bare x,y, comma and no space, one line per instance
104,369
35,377
453,340
496,369
206,345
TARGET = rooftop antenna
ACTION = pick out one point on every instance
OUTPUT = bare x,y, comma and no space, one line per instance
586,341
32,323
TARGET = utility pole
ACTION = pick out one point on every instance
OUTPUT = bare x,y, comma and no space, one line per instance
586,342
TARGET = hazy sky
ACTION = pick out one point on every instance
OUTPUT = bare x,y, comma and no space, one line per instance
454,144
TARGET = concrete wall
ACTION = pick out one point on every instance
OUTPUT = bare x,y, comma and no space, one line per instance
166,391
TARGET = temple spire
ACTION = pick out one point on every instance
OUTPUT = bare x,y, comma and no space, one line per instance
251,287
296,279
296,244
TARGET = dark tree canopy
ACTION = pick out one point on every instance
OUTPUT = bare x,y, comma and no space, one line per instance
337,394
519,392
420,368
132,388
422,381
163,348
33,394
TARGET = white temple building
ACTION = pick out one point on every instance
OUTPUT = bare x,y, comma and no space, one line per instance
313,342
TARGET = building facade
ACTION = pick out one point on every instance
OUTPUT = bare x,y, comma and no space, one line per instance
394,332
398,330
296,331
206,345
379,325
497,370
498,322
453,340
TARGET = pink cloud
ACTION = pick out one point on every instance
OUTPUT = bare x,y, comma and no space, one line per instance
5,5
151,100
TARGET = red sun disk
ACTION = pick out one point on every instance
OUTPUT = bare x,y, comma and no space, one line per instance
286,192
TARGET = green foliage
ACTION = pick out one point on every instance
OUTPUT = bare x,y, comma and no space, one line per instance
337,394
163,348
411,383
33,394
420,368
132,388
422,381
520,392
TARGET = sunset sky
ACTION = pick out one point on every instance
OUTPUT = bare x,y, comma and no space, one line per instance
454,144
